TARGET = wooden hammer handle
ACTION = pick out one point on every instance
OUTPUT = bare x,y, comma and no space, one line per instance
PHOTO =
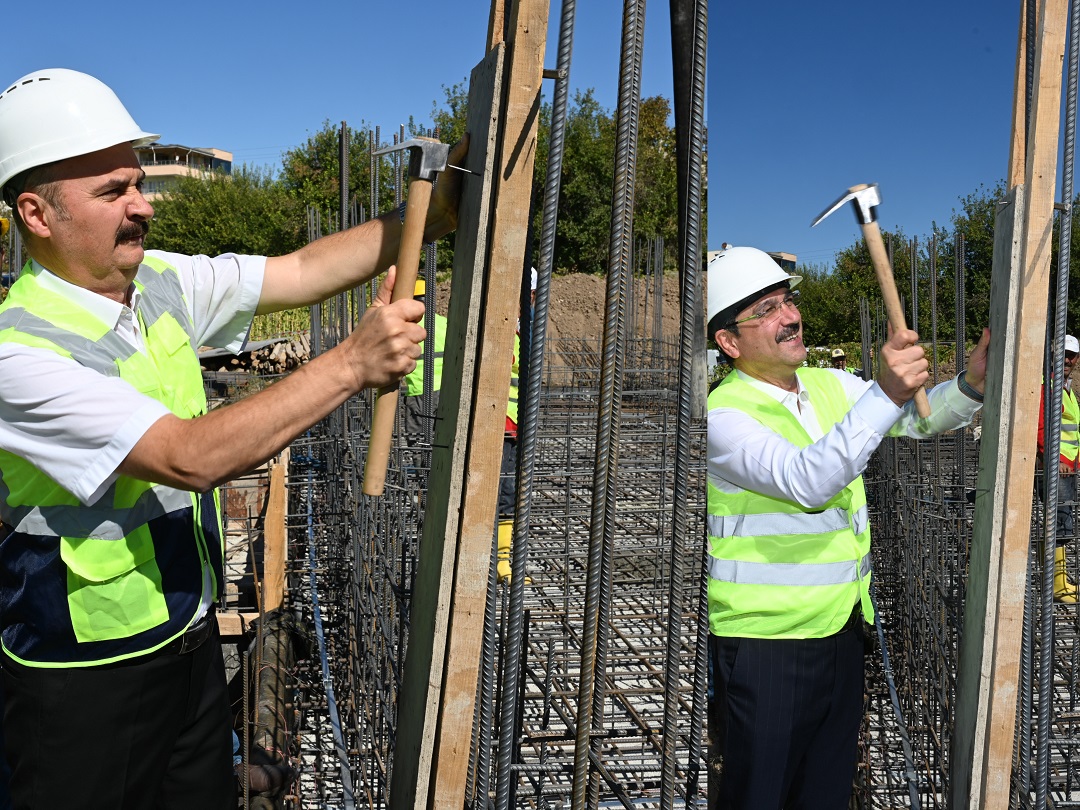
876,245
408,264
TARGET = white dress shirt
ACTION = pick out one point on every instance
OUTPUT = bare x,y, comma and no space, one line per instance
76,425
744,454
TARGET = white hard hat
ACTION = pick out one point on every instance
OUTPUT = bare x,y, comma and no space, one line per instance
57,113
1072,344
738,274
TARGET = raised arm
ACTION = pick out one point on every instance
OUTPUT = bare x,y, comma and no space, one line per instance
197,454
345,259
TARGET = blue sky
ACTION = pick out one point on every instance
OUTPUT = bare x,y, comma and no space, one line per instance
256,78
807,99
804,100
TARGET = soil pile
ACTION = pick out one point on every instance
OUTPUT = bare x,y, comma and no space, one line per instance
577,307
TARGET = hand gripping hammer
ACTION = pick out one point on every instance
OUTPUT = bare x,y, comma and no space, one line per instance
865,199
427,157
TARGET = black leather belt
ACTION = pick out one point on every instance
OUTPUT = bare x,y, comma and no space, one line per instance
193,638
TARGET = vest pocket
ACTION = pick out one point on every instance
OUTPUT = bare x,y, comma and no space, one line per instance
113,586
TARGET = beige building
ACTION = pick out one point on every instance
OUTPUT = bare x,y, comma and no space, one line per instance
164,163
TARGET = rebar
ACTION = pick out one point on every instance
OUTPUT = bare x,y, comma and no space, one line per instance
601,536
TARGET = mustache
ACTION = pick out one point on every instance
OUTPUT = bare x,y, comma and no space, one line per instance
788,331
131,230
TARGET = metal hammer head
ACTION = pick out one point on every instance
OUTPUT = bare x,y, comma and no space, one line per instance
865,198
427,157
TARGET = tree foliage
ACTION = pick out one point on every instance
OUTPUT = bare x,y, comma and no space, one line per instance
311,172
245,212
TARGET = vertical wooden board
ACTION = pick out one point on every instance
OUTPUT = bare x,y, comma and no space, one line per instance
990,710
420,695
981,598
1017,145
509,214
274,540
496,23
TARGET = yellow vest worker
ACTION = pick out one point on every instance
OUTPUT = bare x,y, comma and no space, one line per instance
789,553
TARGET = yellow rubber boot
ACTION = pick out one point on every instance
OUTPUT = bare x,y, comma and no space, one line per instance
1064,590
506,537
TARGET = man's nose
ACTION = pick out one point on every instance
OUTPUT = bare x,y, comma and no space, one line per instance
140,207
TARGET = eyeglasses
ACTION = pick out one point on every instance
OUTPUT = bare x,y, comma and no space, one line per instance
770,309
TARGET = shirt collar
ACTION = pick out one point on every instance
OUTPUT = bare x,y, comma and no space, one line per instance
104,309
781,395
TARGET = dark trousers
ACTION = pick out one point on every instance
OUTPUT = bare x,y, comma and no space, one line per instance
151,734
508,479
1066,501
786,720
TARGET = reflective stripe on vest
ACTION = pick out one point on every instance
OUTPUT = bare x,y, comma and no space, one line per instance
830,520
124,576
744,572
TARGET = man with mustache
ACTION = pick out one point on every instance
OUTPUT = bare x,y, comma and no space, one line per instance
111,558
789,537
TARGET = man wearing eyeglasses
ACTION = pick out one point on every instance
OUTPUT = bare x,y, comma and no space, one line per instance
789,537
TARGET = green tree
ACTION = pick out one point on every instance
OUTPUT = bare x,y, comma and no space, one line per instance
245,212
830,310
975,222
311,172
656,204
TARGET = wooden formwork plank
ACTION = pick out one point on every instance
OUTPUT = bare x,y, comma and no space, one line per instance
993,617
973,713
1017,144
419,699
496,23
234,625
507,246
275,546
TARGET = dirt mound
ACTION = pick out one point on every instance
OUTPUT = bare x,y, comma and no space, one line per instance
577,306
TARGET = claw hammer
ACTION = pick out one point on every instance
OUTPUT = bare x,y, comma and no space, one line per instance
427,157
865,199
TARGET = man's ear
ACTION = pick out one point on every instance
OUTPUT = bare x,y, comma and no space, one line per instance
728,343
36,214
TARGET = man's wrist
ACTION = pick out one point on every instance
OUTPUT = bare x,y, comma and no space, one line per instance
967,389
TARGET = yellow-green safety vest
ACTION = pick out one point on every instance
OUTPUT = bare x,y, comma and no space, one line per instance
777,569
87,585
1070,426
512,401
414,380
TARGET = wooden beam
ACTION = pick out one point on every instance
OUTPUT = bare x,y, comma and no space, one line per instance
275,544
496,23
523,75
981,605
418,702
234,625
994,608
1017,145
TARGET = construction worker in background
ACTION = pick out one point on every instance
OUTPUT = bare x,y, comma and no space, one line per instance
789,537
1064,589
839,361
111,561
508,469
416,419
